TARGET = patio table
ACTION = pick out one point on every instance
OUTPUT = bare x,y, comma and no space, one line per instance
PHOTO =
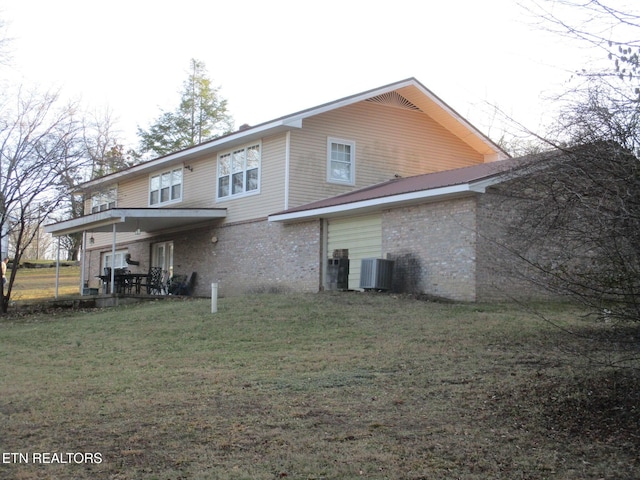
128,281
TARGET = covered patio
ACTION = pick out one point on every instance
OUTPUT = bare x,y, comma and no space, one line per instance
129,220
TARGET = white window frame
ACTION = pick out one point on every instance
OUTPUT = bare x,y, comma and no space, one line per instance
331,178
237,155
104,200
170,186
121,261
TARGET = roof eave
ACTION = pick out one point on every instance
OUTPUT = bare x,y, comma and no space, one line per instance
132,219
373,204
228,141
391,201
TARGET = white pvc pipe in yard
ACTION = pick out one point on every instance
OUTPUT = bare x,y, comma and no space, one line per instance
214,297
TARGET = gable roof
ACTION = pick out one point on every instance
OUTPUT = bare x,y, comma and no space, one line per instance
407,191
408,93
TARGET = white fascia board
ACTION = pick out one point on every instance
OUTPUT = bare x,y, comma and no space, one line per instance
383,202
95,220
480,186
473,131
168,212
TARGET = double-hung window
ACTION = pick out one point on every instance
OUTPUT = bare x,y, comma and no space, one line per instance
103,200
239,172
119,262
165,187
341,161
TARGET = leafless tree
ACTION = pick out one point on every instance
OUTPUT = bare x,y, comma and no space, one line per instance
610,27
97,152
580,207
102,145
38,147
5,44
576,232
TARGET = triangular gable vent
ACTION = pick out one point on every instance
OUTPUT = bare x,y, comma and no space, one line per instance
394,99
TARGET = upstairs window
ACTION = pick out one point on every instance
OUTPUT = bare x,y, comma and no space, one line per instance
341,161
103,200
239,172
165,187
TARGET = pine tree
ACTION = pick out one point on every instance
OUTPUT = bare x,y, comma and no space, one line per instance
201,116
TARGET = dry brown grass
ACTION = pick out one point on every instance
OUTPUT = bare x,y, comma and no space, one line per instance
316,386
35,284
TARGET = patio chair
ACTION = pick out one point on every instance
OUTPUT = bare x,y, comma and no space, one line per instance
154,283
123,284
180,285
175,283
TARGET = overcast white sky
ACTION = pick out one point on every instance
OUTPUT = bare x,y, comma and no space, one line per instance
272,58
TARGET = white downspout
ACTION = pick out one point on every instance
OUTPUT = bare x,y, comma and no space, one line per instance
287,163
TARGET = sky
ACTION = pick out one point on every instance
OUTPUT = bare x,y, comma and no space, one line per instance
273,58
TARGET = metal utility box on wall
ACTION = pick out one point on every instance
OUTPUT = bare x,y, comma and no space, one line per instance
338,271
376,274
338,274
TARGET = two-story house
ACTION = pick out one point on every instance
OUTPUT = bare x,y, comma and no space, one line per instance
389,173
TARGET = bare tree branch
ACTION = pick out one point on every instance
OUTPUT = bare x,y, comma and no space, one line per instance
37,148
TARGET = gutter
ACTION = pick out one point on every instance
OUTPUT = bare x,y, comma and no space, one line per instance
379,203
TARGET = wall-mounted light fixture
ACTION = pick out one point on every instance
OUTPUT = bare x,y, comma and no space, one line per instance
92,240
189,167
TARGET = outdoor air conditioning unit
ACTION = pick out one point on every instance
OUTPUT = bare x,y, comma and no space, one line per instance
376,274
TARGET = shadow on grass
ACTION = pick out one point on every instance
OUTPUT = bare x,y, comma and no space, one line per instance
602,407
596,400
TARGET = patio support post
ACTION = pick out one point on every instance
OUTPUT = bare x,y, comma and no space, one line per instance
83,252
113,261
58,268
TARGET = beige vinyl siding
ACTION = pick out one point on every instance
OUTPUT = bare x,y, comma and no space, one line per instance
199,183
134,193
388,140
199,186
362,236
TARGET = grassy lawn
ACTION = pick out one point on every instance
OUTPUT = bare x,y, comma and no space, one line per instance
324,386
39,284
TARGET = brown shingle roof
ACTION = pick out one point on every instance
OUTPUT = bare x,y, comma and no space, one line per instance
428,181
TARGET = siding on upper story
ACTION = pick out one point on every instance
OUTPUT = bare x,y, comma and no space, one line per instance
272,185
389,141
199,186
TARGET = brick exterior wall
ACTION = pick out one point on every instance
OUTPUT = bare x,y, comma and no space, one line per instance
249,257
502,275
460,249
453,249
253,257
433,246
